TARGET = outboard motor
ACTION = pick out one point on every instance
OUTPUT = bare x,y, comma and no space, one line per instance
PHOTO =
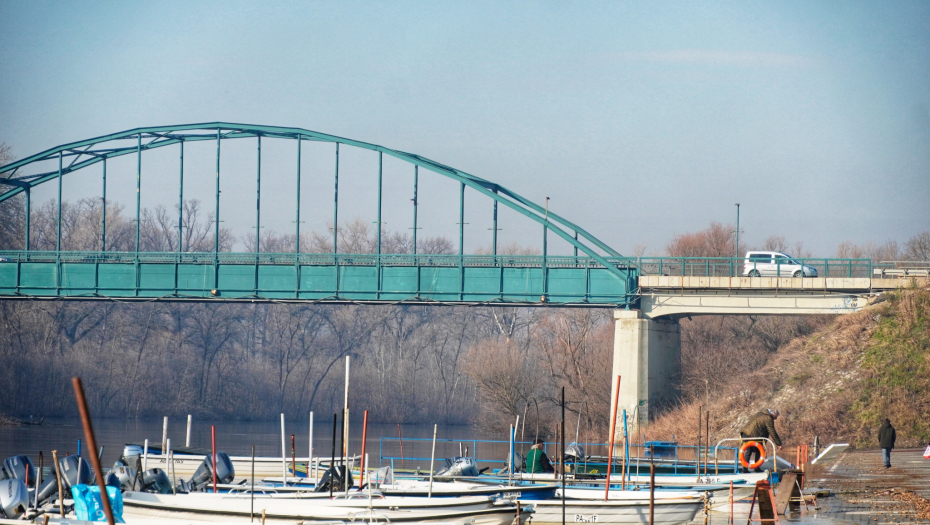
334,477
575,452
131,455
459,466
155,480
19,467
203,476
14,498
122,477
75,471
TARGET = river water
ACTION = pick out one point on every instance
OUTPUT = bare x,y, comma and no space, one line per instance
232,437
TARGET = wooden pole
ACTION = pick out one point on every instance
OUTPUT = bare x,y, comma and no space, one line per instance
697,451
613,431
563,455
61,496
294,458
92,442
707,440
400,435
332,461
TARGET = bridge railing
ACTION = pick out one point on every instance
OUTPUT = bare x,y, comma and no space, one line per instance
322,259
741,267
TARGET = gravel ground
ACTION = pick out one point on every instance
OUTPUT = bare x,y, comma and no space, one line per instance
861,491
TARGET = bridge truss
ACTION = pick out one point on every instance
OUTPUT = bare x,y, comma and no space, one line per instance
595,275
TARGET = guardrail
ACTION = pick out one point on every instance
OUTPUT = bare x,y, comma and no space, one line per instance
315,259
415,454
742,267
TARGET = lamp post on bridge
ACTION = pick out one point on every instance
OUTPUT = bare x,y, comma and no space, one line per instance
736,256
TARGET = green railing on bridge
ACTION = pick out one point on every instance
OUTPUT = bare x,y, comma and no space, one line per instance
742,267
423,278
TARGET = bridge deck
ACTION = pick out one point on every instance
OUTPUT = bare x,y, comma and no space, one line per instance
827,284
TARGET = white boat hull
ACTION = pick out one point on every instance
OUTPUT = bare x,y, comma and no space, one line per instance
223,507
667,512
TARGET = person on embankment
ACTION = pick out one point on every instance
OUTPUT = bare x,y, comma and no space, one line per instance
761,425
886,438
537,462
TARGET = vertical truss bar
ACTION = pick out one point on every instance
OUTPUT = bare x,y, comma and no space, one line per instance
138,190
380,177
576,248
103,212
336,211
138,206
297,228
494,235
28,214
545,254
58,225
258,197
216,218
58,235
461,240
181,202
416,183
378,260
258,208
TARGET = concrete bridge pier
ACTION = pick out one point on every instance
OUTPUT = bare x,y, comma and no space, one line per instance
647,357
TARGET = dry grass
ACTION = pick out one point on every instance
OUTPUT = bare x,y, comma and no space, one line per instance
818,383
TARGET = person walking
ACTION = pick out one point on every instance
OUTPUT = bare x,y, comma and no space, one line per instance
761,425
886,438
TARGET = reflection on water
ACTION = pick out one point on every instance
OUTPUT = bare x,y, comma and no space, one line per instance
232,437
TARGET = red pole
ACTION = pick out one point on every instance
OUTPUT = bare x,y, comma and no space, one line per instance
364,439
213,432
400,435
731,502
613,431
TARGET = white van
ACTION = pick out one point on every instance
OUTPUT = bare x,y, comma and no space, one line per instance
775,264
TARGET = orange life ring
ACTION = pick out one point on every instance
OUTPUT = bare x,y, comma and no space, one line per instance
742,456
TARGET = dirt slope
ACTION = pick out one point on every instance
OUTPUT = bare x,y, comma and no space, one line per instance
837,383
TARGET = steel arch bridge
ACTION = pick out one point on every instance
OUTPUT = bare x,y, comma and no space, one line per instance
596,275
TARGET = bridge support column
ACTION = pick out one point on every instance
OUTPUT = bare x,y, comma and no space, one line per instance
647,356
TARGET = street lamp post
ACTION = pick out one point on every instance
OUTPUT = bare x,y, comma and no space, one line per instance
737,232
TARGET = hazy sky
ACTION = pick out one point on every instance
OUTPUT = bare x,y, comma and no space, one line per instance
640,120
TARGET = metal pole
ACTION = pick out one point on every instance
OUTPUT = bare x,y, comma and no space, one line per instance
213,444
736,256
297,229
187,440
562,455
332,461
283,453
58,226
216,217
461,240
380,174
138,191
416,182
613,432
310,447
432,461
364,439
95,461
258,204
336,208
652,486
103,212
28,214
494,228
180,202
252,491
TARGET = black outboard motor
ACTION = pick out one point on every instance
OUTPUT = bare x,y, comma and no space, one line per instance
334,478
20,467
14,498
459,466
155,480
203,476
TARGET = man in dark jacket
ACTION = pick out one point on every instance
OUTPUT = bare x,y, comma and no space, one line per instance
886,437
761,425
